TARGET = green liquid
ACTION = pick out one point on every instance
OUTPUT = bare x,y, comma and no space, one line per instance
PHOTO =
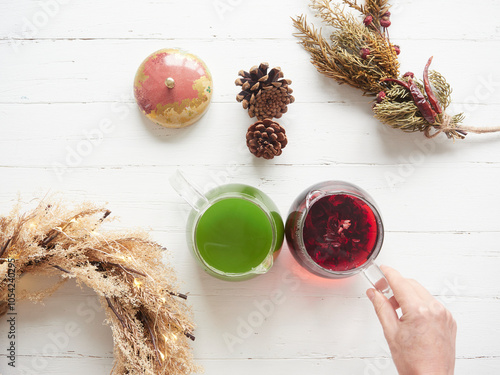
234,235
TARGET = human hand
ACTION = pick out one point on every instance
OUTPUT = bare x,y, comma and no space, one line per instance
422,341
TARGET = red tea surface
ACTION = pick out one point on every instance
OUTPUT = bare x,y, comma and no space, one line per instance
340,232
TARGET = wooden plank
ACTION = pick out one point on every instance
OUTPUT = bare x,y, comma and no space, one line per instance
239,327
431,199
103,70
117,134
227,19
58,365
370,366
449,265
334,365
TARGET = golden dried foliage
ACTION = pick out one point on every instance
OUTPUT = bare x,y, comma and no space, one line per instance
400,112
340,57
372,7
359,53
149,319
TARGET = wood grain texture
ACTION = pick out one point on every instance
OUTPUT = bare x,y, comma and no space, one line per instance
69,124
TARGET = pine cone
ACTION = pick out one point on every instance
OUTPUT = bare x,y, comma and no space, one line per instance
265,95
266,139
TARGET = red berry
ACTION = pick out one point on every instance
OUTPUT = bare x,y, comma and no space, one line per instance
364,53
385,22
368,20
381,96
386,19
397,49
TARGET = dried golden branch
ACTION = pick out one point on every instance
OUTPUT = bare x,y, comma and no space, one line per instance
151,324
377,8
342,59
360,54
354,4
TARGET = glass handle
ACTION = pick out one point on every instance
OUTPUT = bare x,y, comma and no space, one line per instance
265,265
377,278
190,193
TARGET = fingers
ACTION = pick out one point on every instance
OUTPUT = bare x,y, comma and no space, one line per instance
405,291
394,302
385,312
420,290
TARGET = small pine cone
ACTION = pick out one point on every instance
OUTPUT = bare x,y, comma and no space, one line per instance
266,139
265,94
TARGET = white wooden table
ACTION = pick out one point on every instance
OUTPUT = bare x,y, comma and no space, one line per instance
68,66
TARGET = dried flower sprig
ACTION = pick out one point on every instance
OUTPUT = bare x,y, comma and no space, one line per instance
151,324
359,53
356,54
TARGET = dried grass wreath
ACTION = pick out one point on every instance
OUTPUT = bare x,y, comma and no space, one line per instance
150,321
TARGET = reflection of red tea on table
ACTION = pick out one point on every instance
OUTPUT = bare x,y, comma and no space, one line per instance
340,232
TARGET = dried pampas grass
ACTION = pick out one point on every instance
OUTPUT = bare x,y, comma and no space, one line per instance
151,323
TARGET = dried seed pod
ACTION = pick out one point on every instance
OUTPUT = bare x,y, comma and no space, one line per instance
381,96
364,53
385,23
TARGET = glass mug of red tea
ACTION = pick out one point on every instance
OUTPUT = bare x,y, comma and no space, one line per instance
234,231
334,230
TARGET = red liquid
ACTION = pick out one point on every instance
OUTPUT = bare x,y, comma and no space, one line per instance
340,232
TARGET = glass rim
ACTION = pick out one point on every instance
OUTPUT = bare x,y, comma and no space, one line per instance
378,243
251,199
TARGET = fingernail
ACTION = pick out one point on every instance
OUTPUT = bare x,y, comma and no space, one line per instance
370,293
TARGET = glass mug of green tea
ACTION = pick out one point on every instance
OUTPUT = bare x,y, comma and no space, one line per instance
234,231
334,230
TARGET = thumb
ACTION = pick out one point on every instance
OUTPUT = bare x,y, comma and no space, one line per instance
384,310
